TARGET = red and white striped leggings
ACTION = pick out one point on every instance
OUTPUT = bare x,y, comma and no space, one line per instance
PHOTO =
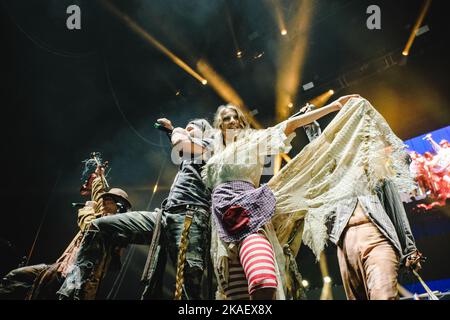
254,270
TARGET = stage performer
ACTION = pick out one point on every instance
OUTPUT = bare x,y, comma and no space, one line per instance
248,259
43,281
185,210
344,187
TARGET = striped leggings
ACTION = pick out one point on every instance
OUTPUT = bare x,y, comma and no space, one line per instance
255,268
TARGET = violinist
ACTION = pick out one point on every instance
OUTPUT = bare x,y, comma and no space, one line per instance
182,222
43,280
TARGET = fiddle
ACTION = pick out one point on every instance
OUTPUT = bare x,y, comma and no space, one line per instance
90,172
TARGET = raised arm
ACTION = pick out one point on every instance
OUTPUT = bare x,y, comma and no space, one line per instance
182,141
304,119
93,209
435,146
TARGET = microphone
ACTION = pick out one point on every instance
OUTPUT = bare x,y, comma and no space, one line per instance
78,204
160,127
310,107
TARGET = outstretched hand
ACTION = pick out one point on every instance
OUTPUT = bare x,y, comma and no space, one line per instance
100,170
413,261
339,103
166,123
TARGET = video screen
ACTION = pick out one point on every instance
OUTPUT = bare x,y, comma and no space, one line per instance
430,165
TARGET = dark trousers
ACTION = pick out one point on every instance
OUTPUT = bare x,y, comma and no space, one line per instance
47,283
17,283
137,228
199,237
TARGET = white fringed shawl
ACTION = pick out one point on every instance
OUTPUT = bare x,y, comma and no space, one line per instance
355,151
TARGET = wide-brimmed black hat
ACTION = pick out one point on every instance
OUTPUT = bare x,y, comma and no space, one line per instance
117,193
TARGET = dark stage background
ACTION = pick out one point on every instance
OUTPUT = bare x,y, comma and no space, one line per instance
66,93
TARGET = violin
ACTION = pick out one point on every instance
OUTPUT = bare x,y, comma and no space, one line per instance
89,173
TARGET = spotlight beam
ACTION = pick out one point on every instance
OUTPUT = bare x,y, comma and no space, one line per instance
326,293
290,62
233,34
219,84
225,91
416,27
279,16
320,101
150,39
291,59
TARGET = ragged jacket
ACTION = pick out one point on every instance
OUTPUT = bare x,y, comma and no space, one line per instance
85,216
385,210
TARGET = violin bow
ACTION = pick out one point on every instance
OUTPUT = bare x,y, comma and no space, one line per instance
427,289
94,156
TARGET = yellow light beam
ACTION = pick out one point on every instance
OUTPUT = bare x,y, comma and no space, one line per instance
320,101
291,59
286,157
224,90
217,82
278,161
416,27
158,45
233,34
326,293
280,17
277,164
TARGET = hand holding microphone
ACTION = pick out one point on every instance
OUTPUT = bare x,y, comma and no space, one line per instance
164,124
307,108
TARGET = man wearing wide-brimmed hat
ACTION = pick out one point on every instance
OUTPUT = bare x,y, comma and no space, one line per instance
42,281
188,200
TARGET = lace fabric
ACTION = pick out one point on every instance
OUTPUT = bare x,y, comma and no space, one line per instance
244,159
356,151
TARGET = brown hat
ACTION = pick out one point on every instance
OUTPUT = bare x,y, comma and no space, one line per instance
118,193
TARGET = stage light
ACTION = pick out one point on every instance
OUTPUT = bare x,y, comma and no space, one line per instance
259,55
308,86
219,84
290,105
177,93
204,82
233,34
155,188
305,283
416,31
327,279
422,30
150,39
279,15
320,101
291,58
